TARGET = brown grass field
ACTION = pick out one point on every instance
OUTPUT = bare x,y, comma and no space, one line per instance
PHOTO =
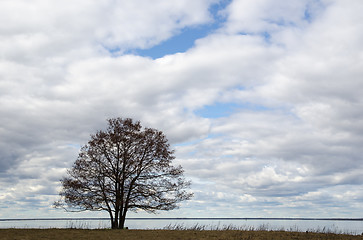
107,234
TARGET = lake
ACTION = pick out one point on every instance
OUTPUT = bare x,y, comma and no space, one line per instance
350,226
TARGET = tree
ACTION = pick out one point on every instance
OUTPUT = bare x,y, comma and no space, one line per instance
124,168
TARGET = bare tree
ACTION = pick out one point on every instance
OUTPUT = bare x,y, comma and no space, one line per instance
124,168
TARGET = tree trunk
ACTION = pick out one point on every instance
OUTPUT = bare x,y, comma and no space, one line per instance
113,225
122,217
116,220
122,222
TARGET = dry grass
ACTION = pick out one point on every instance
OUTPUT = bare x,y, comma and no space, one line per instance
106,234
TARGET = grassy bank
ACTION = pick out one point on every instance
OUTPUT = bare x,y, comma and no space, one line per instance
79,234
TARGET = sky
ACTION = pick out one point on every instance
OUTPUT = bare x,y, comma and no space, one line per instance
261,100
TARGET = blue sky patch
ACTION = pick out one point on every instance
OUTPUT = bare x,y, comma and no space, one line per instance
219,110
307,15
179,43
186,38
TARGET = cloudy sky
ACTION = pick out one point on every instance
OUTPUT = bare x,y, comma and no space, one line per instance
262,100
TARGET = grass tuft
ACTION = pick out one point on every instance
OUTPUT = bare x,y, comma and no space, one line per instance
262,227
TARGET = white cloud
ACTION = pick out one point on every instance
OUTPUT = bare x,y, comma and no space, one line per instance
298,145
314,125
265,16
69,29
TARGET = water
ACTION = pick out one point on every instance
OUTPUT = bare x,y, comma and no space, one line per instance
325,225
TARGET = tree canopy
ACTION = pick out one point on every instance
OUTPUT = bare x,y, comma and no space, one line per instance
126,167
